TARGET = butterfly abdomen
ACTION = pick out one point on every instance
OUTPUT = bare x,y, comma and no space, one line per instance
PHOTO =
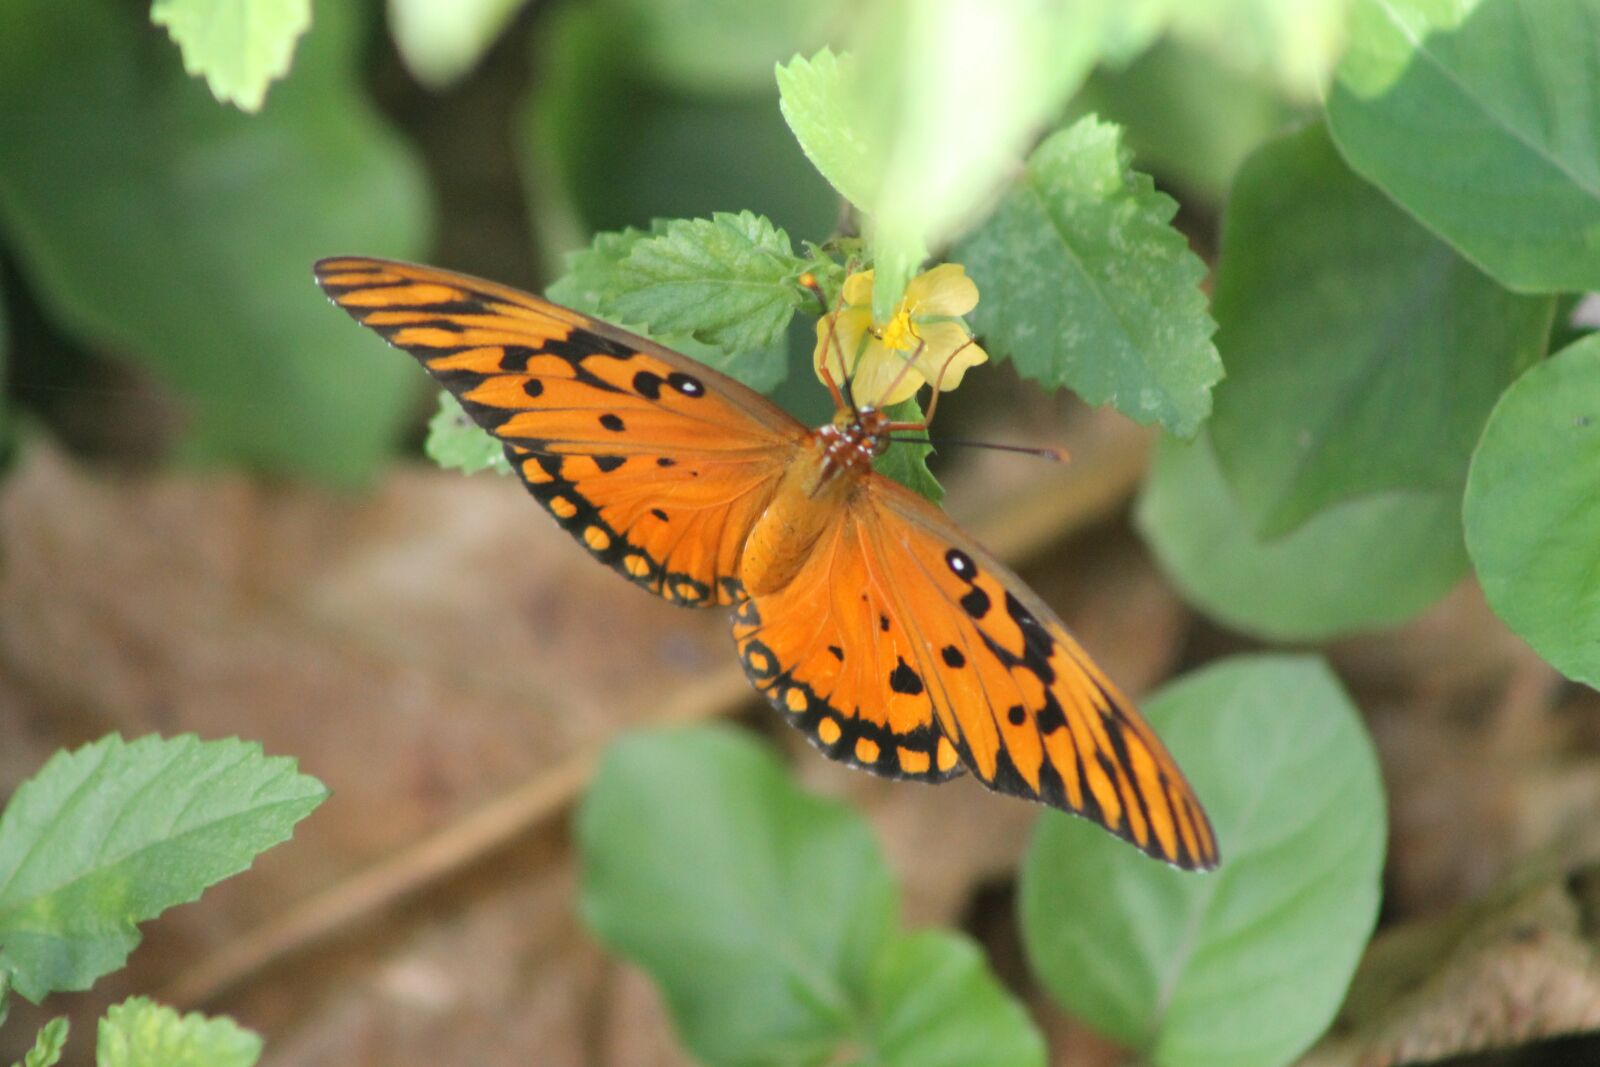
807,504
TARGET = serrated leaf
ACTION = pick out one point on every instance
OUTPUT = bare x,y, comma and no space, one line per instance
48,1045
1357,566
821,101
1083,282
141,1033
442,40
161,229
907,462
455,442
1532,510
112,834
238,46
1363,355
757,908
1479,119
935,1003
1245,966
725,281
591,275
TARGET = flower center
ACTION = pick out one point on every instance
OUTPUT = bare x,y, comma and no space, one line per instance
900,335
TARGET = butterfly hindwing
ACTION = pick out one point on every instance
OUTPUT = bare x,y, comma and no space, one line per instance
830,652
656,464
1029,711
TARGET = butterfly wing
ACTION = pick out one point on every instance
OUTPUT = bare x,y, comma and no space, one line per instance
655,463
949,661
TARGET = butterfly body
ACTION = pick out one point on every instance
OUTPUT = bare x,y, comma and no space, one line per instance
892,640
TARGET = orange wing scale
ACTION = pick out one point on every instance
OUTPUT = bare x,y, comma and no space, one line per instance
656,464
899,645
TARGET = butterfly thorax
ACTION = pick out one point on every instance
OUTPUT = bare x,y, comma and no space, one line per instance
821,479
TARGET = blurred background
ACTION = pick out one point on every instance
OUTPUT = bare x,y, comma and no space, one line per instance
214,515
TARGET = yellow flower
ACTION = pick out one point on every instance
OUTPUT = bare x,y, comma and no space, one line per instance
925,331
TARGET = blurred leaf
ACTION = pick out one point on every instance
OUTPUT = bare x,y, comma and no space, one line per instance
820,98
1085,283
723,46
48,1045
455,442
140,1033
758,909
238,46
1187,116
112,834
935,1003
1363,355
726,281
179,234
591,273
1295,42
1471,116
908,463
1357,566
604,148
441,40
1533,510
921,124
1248,964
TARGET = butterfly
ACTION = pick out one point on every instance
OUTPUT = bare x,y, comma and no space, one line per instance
861,612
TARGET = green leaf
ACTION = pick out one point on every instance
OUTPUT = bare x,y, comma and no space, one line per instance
725,281
758,909
238,46
48,1045
591,275
1187,117
1363,355
163,229
442,40
1533,513
1247,965
455,442
821,100
907,463
935,1003
1357,566
1296,44
113,834
1085,283
1479,118
140,1033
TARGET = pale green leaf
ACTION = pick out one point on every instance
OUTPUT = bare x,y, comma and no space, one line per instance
442,40
1533,510
141,1033
1083,282
1357,566
1246,965
1296,43
238,46
48,1044
1363,355
1482,119
113,834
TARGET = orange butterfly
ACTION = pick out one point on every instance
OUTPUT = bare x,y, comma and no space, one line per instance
860,611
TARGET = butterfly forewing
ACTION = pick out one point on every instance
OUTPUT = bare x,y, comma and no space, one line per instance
656,464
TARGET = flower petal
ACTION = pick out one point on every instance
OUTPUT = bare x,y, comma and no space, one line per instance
947,346
858,288
844,345
880,369
944,290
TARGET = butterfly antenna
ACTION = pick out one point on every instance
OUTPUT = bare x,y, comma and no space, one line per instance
938,389
1056,455
808,281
